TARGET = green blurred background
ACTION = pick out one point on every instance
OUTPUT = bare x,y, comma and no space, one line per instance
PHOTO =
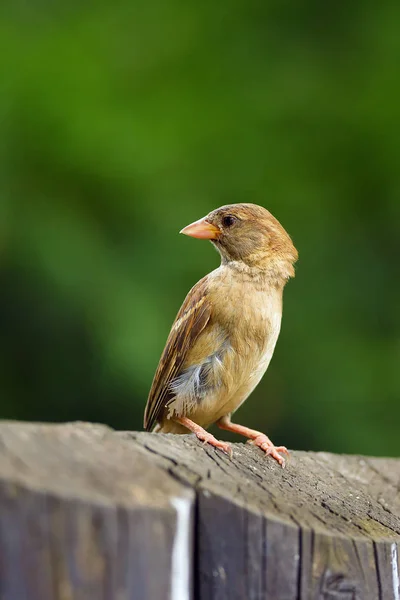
121,123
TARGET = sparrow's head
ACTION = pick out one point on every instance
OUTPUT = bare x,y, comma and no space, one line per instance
249,234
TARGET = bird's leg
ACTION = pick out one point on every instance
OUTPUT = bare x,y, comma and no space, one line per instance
203,435
256,437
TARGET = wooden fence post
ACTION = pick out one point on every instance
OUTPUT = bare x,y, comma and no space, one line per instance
87,513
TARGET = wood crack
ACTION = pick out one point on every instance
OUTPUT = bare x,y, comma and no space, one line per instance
88,512
378,572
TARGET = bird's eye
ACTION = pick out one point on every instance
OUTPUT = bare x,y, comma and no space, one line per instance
228,221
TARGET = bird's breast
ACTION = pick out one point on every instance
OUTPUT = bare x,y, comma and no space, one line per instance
232,353
255,348
251,318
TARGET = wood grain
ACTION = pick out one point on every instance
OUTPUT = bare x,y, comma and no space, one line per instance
326,527
84,516
89,513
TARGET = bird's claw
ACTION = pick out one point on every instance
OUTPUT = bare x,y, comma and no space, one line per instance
208,438
263,442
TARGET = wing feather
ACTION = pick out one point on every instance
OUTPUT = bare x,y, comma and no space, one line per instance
190,321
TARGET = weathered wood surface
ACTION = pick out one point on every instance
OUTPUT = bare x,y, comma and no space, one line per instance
89,513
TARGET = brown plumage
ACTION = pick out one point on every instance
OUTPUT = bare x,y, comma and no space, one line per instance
224,335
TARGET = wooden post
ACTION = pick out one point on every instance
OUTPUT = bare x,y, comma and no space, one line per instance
87,513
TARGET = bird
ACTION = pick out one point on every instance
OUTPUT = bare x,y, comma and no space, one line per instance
224,335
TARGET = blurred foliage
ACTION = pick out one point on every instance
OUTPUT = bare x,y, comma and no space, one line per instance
120,123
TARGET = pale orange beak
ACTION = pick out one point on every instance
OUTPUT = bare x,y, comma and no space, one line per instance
202,229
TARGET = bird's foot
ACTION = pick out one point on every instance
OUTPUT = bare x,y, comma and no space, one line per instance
208,438
263,442
204,436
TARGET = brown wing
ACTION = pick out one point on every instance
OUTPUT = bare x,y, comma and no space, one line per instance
190,321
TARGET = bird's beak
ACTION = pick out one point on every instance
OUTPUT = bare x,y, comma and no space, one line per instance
202,229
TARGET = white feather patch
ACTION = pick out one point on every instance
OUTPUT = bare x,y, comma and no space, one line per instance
195,384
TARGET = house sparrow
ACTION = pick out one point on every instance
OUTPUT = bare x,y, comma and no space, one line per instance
224,335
